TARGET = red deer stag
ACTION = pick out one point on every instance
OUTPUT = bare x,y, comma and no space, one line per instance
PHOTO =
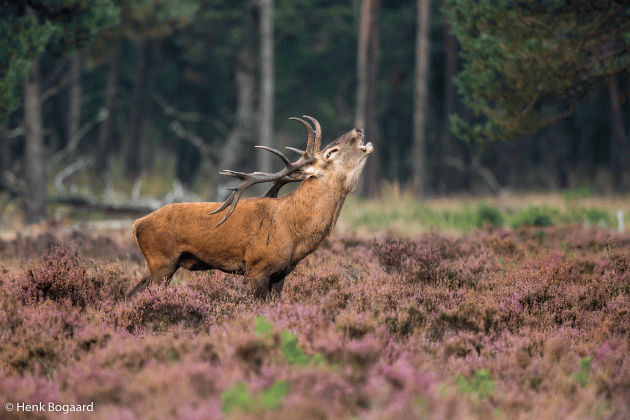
263,237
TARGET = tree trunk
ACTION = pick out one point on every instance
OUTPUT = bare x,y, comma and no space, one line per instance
245,86
362,63
105,130
245,79
266,84
5,150
366,78
421,96
76,96
35,170
445,147
133,141
371,174
618,137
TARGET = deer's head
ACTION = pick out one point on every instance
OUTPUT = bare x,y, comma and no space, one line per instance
338,165
340,162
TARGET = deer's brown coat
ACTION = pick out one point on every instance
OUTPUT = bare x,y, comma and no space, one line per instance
264,237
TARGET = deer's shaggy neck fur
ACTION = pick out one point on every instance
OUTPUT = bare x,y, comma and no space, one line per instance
311,213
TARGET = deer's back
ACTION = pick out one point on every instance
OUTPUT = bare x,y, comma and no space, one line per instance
251,232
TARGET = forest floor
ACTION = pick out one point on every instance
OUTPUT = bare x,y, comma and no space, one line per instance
388,319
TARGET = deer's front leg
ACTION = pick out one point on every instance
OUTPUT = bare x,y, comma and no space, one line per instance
264,284
276,282
259,280
275,287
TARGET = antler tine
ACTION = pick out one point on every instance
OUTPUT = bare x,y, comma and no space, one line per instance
289,169
247,180
275,188
311,136
233,200
240,175
277,153
318,133
225,204
293,149
279,179
280,182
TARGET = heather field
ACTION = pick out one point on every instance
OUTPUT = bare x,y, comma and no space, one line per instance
527,321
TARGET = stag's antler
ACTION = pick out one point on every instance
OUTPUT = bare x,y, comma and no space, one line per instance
313,146
280,178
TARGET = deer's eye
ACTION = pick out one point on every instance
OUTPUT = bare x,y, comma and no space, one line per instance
330,152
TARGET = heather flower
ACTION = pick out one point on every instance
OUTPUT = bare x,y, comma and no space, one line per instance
159,307
491,322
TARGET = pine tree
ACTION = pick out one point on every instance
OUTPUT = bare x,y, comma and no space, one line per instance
28,28
531,62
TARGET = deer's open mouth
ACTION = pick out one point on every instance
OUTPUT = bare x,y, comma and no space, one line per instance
367,148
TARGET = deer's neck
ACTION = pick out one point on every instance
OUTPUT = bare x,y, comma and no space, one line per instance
313,209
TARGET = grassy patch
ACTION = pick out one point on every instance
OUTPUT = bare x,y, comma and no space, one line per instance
399,214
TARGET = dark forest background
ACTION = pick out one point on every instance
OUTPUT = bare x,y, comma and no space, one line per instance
158,96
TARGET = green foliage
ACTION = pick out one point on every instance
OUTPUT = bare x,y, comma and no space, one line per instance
271,397
292,352
533,216
59,26
489,214
19,42
407,213
577,213
141,20
480,384
595,215
154,18
531,62
407,217
582,374
575,195
240,398
262,326
288,344
237,397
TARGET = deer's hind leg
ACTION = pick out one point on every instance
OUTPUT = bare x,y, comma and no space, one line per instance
140,286
160,272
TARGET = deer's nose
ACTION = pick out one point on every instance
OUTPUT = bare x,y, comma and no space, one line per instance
359,131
